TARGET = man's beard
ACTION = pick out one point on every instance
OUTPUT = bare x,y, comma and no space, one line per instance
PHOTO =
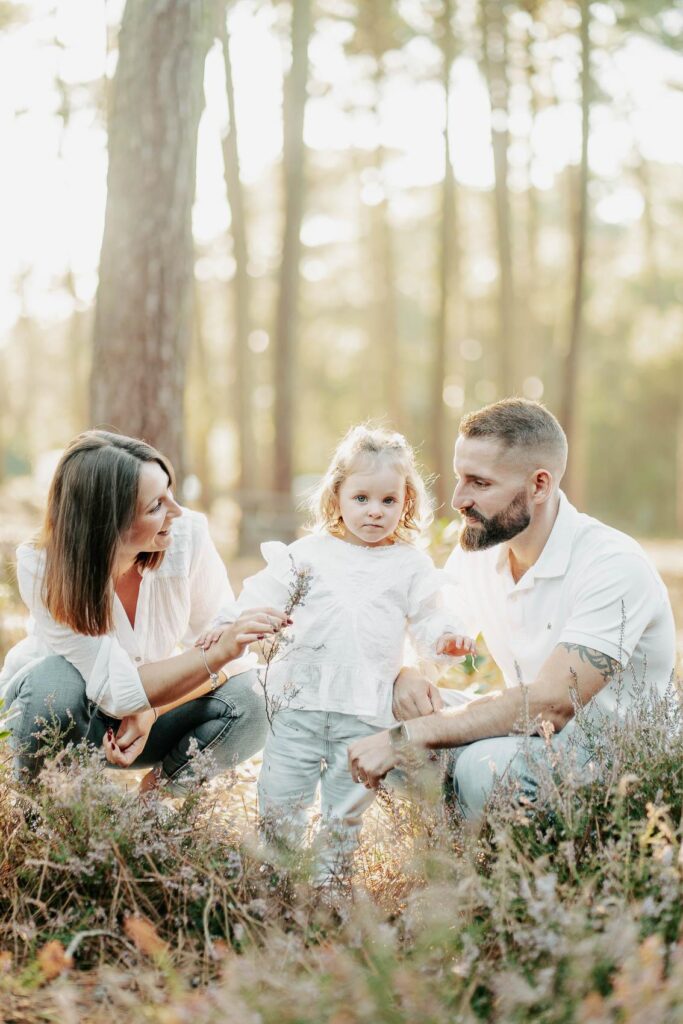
503,526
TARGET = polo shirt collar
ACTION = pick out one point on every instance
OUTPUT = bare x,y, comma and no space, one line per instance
554,558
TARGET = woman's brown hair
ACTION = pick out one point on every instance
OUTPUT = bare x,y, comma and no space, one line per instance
92,502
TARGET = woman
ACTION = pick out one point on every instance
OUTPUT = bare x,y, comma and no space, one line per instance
120,576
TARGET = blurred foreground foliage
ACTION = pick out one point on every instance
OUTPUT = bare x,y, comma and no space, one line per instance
571,912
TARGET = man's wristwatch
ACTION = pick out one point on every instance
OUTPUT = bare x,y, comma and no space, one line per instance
399,736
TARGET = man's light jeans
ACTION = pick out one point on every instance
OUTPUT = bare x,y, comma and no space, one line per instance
304,749
475,768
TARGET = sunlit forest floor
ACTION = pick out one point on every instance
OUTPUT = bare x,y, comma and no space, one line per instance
109,907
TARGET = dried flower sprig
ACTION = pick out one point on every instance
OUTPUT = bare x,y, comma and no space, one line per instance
278,648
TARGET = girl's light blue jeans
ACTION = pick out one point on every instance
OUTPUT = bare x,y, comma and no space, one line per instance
304,750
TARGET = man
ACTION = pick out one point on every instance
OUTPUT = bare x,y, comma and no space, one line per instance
567,606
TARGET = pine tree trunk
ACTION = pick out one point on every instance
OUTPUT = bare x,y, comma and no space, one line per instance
653,274
494,33
385,316
294,104
80,327
447,245
241,284
143,320
203,393
571,368
530,354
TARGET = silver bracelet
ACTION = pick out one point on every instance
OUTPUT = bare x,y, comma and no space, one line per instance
213,676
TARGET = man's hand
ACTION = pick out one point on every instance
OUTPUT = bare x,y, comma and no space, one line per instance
130,739
371,758
414,696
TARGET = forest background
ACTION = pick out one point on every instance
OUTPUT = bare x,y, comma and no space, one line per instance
237,229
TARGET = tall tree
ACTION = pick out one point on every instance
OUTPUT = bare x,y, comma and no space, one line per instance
294,104
29,339
241,294
447,264
200,392
80,328
143,320
379,28
528,347
495,60
580,233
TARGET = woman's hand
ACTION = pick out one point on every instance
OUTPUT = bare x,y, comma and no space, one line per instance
255,624
131,737
208,639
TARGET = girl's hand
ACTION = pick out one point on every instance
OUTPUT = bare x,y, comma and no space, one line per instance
131,737
208,639
456,646
255,624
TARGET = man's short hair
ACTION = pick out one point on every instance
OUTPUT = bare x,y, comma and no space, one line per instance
521,424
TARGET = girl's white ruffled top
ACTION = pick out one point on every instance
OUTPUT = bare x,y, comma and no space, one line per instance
346,646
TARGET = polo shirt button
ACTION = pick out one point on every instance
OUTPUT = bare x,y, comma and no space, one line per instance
138,659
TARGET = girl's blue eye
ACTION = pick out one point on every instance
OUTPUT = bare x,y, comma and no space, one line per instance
389,501
361,497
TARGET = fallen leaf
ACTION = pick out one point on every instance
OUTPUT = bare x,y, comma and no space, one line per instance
52,960
143,933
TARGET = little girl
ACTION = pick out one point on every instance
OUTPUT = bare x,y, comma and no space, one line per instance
365,586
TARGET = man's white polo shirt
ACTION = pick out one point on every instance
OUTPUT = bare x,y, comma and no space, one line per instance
591,585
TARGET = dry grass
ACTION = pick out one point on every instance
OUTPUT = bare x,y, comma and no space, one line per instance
569,913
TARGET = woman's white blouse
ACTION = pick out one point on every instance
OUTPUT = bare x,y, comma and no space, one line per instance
349,631
177,601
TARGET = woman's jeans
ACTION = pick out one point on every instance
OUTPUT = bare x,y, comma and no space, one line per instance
229,724
305,749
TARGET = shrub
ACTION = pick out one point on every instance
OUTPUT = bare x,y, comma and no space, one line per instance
568,911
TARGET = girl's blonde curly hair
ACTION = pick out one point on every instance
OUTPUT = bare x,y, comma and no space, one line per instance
366,442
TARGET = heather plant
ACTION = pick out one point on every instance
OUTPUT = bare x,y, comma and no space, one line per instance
82,855
564,911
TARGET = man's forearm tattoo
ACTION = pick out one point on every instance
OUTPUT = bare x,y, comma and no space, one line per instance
607,667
